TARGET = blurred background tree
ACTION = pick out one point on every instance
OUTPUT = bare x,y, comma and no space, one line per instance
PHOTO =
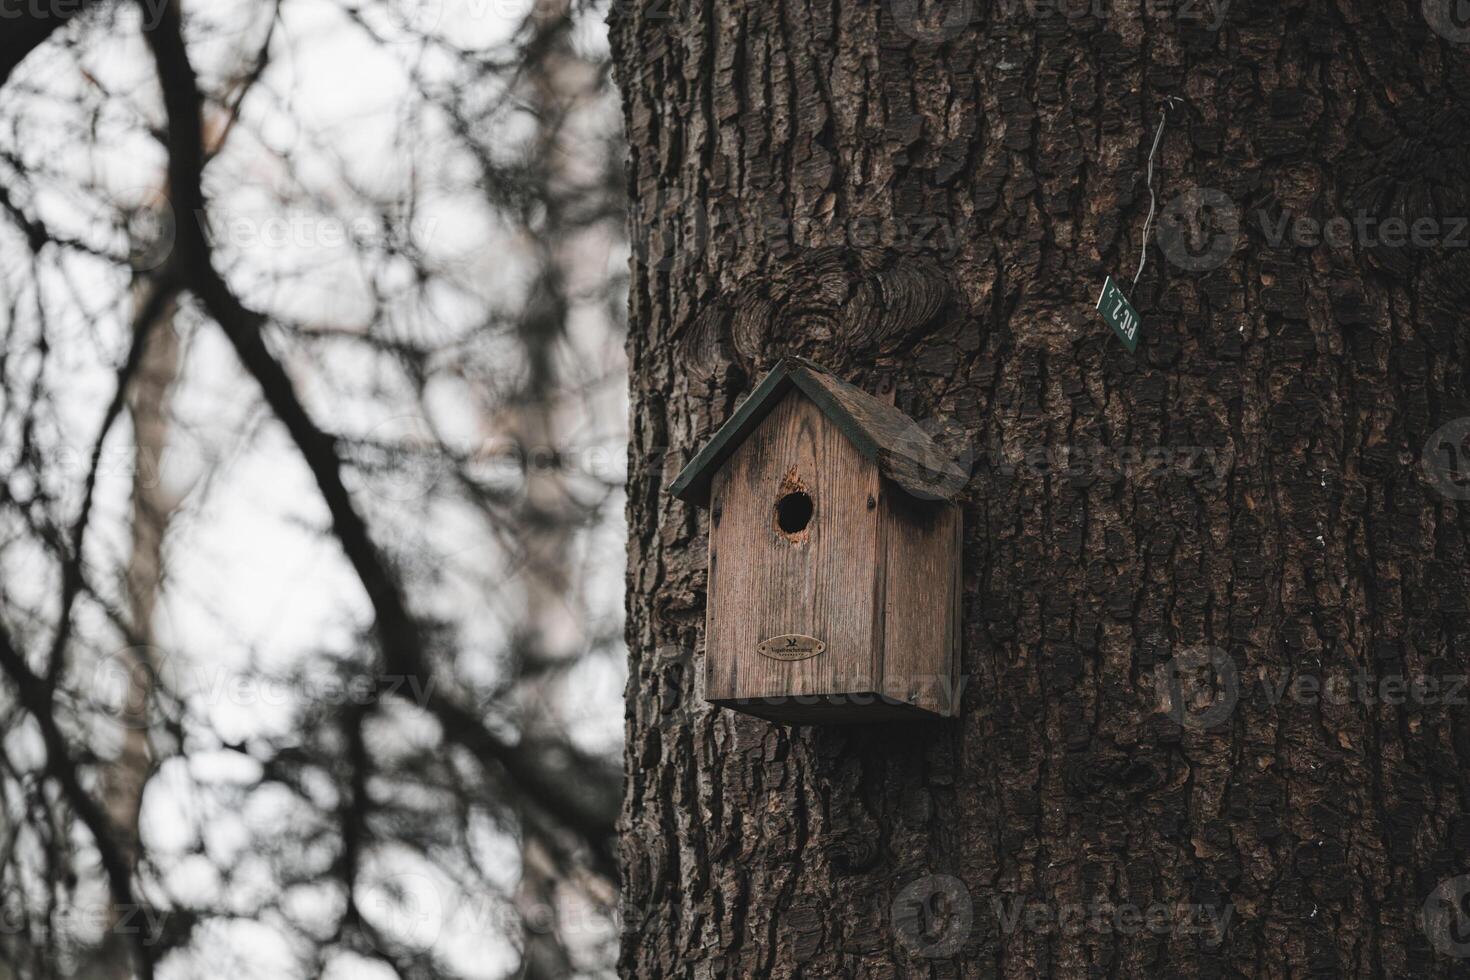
312,428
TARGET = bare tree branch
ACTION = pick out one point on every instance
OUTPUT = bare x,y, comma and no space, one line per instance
570,802
35,697
26,25
157,299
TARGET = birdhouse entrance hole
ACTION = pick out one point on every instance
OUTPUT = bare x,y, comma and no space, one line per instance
794,512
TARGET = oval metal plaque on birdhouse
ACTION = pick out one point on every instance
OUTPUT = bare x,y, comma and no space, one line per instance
790,646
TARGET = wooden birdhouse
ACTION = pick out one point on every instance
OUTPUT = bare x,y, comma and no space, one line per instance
834,556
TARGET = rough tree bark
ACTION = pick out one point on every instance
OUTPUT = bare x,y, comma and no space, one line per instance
930,200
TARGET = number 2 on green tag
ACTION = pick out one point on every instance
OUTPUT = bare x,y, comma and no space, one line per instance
1119,313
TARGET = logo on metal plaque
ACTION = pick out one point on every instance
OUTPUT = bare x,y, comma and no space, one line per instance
791,646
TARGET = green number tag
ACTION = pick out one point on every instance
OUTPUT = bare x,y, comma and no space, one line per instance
1119,313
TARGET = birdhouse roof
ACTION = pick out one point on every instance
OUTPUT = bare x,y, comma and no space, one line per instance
897,445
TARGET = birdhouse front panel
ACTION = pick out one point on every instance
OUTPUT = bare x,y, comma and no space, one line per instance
794,600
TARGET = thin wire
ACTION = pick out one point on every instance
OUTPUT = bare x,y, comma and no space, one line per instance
1169,101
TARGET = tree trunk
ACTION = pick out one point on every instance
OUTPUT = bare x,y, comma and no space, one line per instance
1164,551
557,81
123,778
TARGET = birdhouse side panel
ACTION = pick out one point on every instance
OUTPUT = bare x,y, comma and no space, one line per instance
793,607
921,607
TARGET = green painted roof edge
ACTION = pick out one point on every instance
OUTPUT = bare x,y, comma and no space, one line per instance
693,482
